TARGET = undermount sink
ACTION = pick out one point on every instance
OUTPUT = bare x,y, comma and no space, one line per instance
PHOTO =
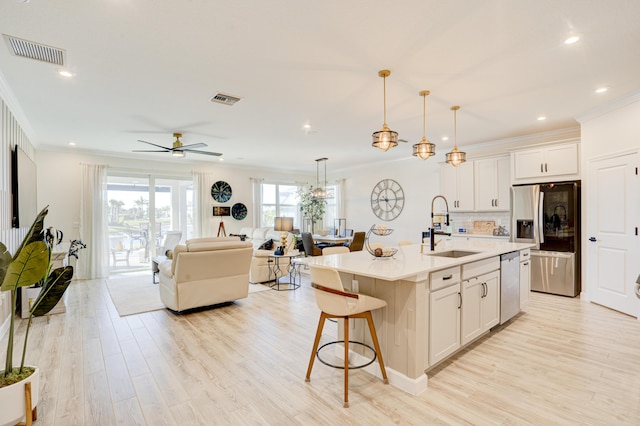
451,253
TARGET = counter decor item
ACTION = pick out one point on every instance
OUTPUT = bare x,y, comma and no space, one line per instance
379,252
31,264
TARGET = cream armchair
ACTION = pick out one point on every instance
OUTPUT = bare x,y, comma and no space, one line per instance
205,271
259,272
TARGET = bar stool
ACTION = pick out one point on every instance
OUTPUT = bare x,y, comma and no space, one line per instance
334,302
335,250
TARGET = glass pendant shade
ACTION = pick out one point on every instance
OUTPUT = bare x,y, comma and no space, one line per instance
385,138
424,149
455,157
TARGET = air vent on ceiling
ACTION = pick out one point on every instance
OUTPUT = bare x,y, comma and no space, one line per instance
221,98
37,51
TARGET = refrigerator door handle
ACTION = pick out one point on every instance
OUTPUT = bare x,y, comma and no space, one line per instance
541,217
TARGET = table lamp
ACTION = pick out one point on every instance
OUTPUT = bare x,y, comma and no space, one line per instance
284,224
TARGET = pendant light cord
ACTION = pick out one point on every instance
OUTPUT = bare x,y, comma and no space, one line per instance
384,97
424,116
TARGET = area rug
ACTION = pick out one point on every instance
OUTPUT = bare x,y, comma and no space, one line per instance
134,293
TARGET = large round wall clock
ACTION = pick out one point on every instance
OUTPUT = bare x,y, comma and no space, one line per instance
221,191
239,211
387,199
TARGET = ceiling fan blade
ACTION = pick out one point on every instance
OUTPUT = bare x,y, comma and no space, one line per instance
154,144
195,151
193,145
140,150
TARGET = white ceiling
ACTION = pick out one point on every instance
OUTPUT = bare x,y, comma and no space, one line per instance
147,68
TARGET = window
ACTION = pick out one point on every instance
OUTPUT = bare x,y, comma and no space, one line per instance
282,200
279,200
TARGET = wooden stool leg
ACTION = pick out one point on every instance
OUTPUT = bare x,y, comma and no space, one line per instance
374,337
27,405
315,345
346,362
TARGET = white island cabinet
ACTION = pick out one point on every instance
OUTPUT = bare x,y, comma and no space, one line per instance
425,320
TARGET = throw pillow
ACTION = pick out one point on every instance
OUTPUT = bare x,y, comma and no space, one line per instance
169,254
267,245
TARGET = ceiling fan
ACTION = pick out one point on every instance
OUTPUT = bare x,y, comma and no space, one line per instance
179,150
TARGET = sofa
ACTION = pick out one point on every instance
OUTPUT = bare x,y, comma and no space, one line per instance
204,272
259,271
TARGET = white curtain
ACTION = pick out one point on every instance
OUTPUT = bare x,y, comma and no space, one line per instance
202,205
93,262
256,189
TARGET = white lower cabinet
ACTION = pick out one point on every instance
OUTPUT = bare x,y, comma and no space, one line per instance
444,322
480,305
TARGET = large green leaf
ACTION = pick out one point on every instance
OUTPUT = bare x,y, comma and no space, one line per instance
29,267
5,260
52,290
35,233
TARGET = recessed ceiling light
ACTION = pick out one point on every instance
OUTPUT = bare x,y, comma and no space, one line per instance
306,126
220,159
72,144
445,138
65,73
542,118
602,89
572,39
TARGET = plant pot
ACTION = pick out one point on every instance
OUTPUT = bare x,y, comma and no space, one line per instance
12,399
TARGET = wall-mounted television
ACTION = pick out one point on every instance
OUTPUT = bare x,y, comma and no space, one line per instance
221,211
24,189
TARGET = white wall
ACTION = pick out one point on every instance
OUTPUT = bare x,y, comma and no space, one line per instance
59,179
609,130
420,181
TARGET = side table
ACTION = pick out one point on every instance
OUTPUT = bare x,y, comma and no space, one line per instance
292,271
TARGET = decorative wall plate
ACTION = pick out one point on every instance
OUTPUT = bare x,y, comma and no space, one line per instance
387,199
221,191
239,211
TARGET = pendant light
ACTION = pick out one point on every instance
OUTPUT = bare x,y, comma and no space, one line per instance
424,149
385,138
320,192
455,157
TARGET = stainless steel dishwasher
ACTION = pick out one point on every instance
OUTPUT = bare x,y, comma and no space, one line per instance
509,285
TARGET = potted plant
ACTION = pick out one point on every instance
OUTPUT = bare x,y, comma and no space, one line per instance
312,208
31,264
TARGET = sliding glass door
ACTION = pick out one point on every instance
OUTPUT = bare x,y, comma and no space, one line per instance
142,209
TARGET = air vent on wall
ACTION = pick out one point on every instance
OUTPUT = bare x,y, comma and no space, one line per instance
221,98
37,51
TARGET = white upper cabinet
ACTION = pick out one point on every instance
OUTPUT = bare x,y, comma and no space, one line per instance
456,184
492,183
545,164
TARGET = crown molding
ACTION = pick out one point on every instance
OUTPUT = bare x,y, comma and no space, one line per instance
601,110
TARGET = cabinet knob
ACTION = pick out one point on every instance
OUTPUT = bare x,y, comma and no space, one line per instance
592,239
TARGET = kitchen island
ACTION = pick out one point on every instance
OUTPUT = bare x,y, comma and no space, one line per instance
436,303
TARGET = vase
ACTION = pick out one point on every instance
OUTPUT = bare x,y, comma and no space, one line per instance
12,399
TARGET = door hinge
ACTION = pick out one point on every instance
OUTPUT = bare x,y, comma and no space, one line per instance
636,171
636,230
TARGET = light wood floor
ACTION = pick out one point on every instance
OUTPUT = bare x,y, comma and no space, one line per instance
562,361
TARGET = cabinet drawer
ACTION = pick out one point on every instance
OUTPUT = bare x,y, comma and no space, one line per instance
525,255
480,267
445,278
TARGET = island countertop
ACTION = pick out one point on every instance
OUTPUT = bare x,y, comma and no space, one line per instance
409,263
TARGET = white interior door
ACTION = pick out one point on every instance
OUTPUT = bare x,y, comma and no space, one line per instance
612,226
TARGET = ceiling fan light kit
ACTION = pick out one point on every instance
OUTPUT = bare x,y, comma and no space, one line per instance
178,149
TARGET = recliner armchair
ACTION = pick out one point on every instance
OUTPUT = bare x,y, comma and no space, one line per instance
204,272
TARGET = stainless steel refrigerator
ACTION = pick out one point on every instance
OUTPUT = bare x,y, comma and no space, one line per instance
548,215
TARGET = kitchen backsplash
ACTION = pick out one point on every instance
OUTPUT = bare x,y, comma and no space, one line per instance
466,221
